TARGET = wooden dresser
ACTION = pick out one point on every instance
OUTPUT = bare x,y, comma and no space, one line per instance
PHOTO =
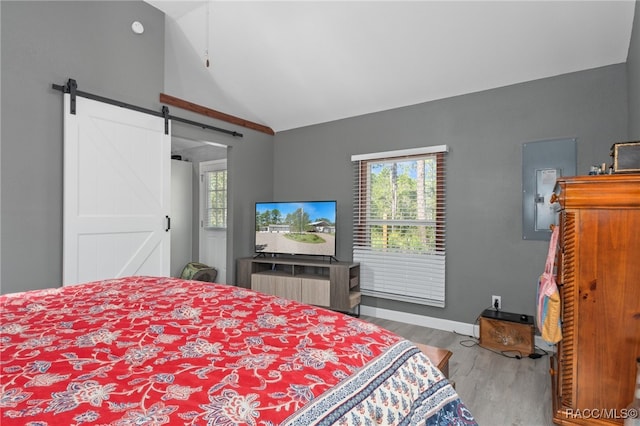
593,371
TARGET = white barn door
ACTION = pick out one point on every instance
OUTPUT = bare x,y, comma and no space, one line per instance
117,186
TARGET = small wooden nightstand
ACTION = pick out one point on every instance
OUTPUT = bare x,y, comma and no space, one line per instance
440,357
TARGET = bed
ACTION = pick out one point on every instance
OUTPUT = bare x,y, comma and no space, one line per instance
151,351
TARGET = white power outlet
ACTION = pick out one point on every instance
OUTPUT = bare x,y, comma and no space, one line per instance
495,299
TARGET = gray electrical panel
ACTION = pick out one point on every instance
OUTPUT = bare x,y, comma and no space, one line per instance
543,162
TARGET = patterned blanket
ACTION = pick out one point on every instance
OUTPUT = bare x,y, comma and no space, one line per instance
152,351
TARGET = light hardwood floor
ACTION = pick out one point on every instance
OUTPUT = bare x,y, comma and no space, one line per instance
498,391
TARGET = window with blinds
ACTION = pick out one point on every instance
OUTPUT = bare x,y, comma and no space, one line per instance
399,224
215,209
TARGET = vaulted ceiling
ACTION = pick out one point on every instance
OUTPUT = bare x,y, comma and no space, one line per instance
291,64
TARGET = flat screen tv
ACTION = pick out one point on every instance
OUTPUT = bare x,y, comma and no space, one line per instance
296,227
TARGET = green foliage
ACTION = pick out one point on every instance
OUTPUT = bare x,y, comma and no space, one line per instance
403,192
306,238
268,217
216,209
298,220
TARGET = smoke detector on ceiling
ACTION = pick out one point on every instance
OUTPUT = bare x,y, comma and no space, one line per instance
137,27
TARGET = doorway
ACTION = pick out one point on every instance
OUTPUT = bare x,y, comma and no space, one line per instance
213,216
208,243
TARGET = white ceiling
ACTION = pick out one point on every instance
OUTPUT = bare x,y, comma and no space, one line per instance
290,64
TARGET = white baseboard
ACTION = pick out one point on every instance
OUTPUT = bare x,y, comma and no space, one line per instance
466,329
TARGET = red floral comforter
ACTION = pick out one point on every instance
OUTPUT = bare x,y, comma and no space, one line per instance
151,351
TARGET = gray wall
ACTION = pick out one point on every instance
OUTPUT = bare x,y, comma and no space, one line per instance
91,41
485,132
50,42
633,77
195,156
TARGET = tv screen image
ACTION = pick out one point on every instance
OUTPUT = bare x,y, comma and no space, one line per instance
296,227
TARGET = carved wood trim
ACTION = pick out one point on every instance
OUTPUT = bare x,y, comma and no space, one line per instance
620,191
212,113
568,294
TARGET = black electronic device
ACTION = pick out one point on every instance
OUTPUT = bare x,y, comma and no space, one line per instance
507,316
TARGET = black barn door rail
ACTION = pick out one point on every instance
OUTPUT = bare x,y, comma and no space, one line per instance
71,87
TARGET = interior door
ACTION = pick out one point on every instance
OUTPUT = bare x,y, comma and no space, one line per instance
117,186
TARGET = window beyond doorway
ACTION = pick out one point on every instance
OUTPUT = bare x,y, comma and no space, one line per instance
215,187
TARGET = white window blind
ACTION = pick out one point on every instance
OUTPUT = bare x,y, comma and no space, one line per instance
399,231
215,210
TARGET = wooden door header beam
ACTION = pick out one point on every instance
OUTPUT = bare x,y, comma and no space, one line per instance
212,113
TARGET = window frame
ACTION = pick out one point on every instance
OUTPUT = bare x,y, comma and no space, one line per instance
388,265
215,166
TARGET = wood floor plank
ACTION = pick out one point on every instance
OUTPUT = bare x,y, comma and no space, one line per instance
497,390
